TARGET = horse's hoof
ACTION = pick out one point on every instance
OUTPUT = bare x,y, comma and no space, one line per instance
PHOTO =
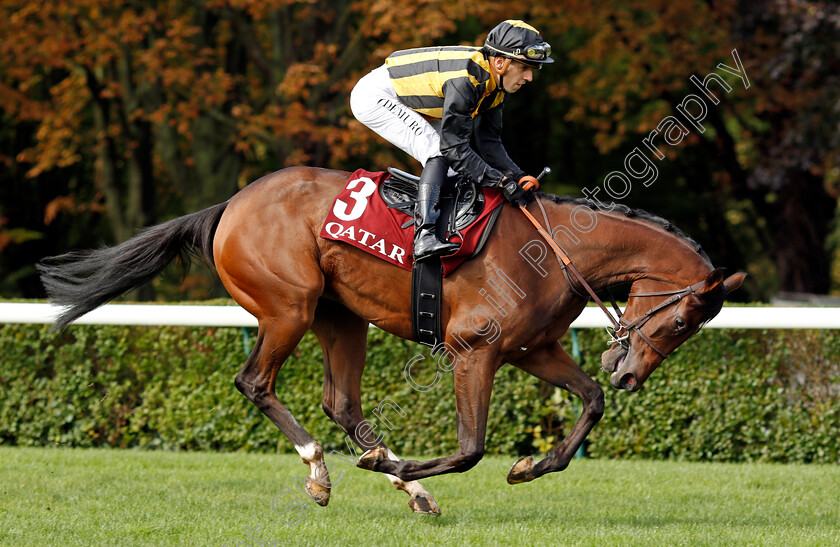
371,459
317,491
424,505
521,471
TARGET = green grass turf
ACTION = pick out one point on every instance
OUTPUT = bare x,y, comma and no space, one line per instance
122,497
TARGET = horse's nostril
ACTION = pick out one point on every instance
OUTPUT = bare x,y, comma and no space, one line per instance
628,382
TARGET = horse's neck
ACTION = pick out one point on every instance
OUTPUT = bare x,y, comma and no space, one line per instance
620,249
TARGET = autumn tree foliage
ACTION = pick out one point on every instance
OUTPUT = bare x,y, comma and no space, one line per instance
166,107
767,164
121,114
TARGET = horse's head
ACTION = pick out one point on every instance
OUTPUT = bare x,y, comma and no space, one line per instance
657,320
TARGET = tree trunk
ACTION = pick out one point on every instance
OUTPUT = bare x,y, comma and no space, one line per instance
800,224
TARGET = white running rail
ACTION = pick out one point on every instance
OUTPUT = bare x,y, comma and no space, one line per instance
234,316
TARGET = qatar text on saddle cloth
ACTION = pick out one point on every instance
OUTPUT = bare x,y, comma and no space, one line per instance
360,217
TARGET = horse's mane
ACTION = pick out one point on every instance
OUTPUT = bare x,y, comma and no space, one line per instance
628,212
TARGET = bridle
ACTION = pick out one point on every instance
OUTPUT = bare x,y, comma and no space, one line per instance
621,328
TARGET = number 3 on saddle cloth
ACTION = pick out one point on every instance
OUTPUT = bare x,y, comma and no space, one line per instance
375,213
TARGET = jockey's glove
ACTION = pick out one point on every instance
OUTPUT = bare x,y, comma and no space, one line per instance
514,193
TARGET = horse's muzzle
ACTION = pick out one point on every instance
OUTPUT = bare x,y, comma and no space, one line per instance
613,358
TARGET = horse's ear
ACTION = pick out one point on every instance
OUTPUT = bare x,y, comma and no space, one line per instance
734,281
714,279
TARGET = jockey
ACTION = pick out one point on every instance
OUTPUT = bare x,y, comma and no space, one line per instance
425,101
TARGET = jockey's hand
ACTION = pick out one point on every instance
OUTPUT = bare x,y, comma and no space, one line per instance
515,193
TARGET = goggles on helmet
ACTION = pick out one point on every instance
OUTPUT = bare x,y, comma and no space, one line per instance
537,52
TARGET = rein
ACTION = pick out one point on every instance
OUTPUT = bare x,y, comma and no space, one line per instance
621,328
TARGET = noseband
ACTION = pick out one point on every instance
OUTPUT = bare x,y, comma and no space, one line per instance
621,328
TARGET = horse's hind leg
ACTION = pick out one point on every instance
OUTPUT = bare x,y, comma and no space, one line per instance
343,338
276,339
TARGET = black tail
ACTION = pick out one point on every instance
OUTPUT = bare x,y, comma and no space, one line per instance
84,280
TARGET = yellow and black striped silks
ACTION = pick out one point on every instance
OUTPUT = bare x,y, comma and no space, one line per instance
454,84
423,77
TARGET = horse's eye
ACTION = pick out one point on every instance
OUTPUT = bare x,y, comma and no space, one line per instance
679,323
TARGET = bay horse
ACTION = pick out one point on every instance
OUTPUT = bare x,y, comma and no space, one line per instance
265,246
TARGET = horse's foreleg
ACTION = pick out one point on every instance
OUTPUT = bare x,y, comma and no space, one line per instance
276,339
556,367
343,337
473,384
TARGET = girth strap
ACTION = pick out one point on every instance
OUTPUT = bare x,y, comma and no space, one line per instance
426,296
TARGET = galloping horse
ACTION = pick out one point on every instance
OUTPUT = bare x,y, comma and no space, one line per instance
265,246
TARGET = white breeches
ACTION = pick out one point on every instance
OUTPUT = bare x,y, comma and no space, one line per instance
374,102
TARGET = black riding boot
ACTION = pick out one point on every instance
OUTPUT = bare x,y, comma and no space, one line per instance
427,244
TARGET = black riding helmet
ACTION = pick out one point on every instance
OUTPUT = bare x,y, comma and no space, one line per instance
520,41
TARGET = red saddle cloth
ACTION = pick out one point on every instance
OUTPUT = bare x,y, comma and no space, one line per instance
360,217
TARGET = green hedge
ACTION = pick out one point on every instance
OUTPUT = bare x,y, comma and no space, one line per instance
734,395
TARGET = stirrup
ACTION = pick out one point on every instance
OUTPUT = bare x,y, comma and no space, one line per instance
429,246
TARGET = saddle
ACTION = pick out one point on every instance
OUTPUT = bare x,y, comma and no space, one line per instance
460,202
460,205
